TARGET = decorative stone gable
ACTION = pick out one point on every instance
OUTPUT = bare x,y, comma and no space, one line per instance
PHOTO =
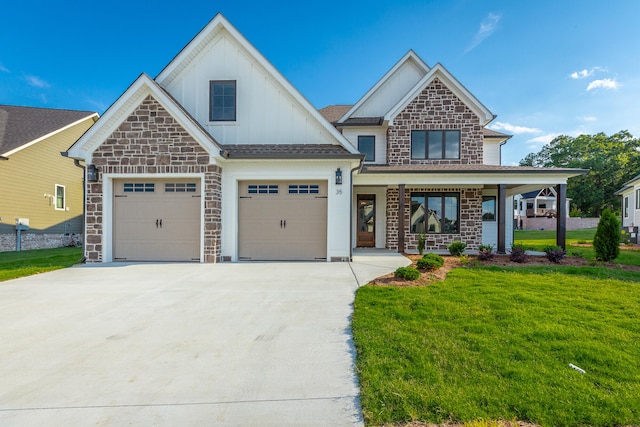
436,108
470,220
151,141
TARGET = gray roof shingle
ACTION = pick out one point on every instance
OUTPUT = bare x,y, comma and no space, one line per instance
22,125
287,151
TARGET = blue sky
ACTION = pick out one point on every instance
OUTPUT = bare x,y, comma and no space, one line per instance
544,68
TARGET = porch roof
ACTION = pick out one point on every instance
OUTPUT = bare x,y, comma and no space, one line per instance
287,151
469,169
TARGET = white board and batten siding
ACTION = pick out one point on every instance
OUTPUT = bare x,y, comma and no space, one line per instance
391,91
491,152
380,133
266,113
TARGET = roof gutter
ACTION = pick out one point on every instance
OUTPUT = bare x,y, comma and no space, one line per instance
4,158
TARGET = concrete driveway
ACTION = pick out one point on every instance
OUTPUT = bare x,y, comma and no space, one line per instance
183,344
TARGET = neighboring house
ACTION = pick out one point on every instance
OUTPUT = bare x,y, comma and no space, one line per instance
221,158
38,185
535,204
630,202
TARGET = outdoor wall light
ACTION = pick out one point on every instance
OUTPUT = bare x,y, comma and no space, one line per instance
92,173
338,177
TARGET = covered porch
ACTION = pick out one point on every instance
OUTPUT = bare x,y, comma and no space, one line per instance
394,206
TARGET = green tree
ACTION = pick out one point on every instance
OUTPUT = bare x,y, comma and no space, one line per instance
606,242
611,161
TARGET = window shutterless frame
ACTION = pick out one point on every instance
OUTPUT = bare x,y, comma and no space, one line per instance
222,100
435,144
61,202
435,213
367,146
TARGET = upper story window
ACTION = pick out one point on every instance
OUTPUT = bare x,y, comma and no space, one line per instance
367,146
222,100
435,144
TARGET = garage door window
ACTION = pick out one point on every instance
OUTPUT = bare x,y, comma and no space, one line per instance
262,189
139,187
304,189
180,187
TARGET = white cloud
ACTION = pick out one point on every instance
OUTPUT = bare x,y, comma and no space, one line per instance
36,82
583,74
589,118
4,69
514,129
487,27
603,84
544,139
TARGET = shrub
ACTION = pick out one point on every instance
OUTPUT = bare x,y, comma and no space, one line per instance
555,253
518,254
485,252
431,262
409,273
606,242
421,243
456,248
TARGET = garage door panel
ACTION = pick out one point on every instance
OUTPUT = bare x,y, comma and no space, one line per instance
157,220
286,221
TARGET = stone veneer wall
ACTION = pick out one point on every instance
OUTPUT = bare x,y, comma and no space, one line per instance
436,108
470,220
38,241
151,141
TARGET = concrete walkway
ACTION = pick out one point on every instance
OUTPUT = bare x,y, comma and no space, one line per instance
183,344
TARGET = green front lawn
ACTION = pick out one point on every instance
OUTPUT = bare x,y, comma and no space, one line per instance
490,345
26,263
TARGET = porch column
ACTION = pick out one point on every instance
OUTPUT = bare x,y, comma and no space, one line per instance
502,218
561,216
401,218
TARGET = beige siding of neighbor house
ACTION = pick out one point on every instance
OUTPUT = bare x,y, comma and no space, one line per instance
32,173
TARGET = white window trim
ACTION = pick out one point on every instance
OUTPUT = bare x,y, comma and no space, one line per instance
625,207
64,197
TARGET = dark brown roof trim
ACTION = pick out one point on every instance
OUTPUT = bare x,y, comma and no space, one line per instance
361,121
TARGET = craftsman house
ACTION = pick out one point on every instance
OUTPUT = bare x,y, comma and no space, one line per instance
220,158
40,191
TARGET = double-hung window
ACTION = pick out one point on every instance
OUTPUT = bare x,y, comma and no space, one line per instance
222,98
638,199
367,146
435,144
435,213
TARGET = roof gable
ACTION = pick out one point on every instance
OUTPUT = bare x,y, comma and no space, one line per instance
220,52
389,89
21,127
441,73
117,113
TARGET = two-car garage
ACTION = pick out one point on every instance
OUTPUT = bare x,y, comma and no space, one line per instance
160,220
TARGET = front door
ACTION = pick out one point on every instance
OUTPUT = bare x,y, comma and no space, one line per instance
366,235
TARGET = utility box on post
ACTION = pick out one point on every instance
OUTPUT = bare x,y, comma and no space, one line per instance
22,224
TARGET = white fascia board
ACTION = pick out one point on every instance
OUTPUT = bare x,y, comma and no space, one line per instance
453,84
220,23
538,181
49,135
118,112
409,55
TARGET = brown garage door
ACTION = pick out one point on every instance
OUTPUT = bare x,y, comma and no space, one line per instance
156,220
282,220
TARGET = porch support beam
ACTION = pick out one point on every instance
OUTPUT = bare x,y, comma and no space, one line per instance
401,218
502,218
561,216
